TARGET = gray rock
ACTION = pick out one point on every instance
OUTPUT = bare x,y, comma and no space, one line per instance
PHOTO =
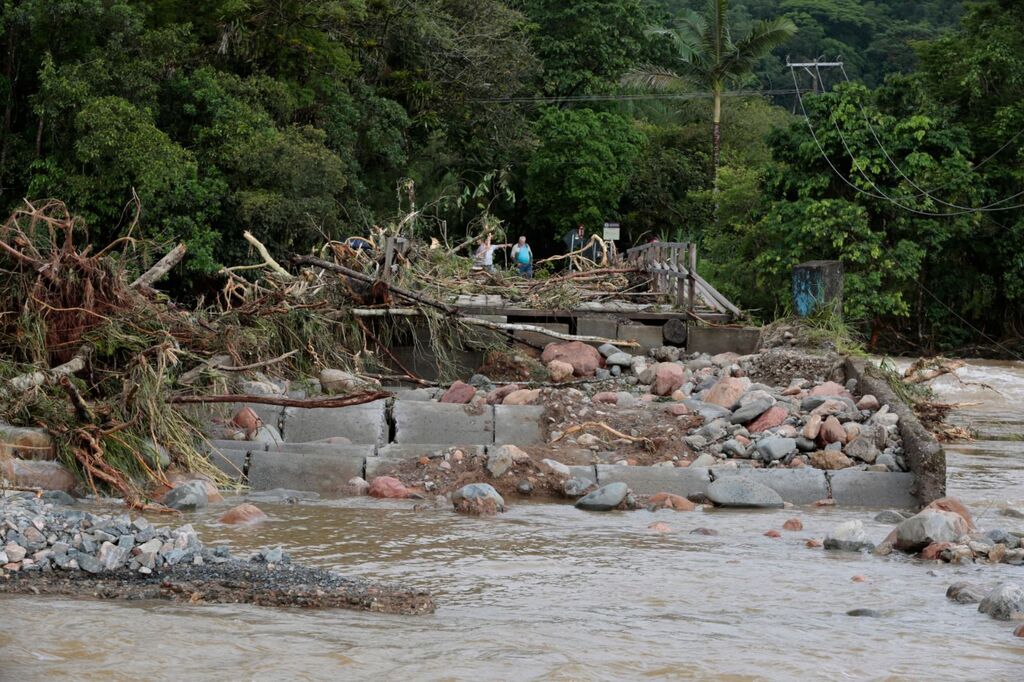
805,445
735,491
574,487
187,496
1009,539
751,411
619,359
615,371
1012,513
849,537
524,487
966,593
698,363
602,374
696,442
607,350
646,377
704,460
605,498
926,527
58,497
481,492
862,449
890,516
268,433
625,399
887,461
481,381
499,461
733,448
1004,602
89,563
707,410
775,447
714,430
864,613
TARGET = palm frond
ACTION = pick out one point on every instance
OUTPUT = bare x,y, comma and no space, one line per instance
766,36
651,77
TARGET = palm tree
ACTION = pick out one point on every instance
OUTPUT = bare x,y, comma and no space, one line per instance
711,60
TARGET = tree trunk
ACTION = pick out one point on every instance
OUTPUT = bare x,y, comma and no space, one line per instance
716,150
716,137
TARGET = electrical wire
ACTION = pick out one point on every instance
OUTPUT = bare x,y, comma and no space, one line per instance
629,98
842,177
922,192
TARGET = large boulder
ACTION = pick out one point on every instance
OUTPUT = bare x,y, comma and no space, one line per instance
736,491
480,499
605,498
584,359
337,381
951,504
25,443
1004,602
37,474
388,487
188,496
459,393
727,391
668,376
929,526
243,515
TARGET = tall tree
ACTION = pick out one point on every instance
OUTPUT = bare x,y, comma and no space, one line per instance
710,59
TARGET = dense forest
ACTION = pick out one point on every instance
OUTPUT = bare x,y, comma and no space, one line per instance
300,119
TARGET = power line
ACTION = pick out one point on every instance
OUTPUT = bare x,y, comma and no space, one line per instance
922,192
843,178
629,98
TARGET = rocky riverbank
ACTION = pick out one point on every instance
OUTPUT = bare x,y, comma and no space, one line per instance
49,549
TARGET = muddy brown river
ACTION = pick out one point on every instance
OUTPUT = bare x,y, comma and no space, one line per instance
549,592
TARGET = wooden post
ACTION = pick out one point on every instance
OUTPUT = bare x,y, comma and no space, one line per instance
389,257
692,249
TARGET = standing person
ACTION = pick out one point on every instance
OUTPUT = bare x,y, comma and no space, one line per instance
522,254
484,256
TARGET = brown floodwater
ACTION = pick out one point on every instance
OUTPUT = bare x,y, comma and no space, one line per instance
549,592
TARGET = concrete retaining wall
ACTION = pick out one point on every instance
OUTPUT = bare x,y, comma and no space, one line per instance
924,455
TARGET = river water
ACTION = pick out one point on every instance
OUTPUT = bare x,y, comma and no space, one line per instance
548,592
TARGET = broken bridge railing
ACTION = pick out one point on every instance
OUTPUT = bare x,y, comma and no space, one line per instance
673,270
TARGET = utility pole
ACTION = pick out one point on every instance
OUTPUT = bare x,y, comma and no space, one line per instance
807,66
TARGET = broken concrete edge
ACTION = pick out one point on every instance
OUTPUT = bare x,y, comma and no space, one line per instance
924,454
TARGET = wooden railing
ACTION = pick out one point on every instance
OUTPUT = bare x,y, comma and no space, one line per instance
673,270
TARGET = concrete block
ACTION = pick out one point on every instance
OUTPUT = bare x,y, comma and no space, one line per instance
518,424
339,449
324,474
584,473
817,284
605,327
648,336
392,456
230,456
715,340
797,486
361,424
652,480
404,451
852,487
538,338
442,422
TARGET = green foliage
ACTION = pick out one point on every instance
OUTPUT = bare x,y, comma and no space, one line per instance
581,168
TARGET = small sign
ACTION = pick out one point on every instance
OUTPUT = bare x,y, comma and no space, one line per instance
611,232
